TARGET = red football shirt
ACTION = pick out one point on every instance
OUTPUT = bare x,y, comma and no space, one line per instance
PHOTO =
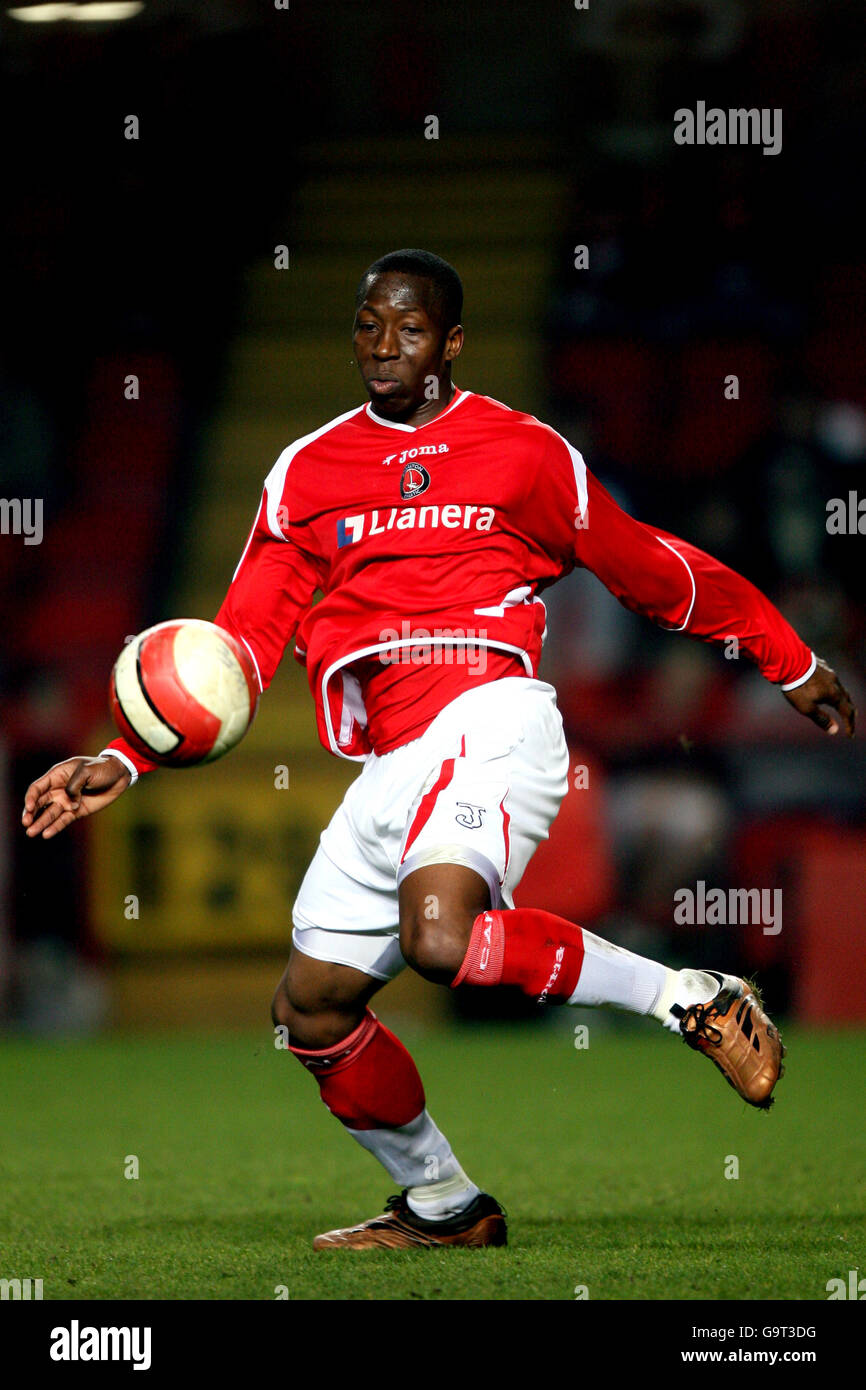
432,545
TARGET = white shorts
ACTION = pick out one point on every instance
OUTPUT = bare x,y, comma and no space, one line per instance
480,787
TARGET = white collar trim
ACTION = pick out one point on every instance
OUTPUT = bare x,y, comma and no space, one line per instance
459,395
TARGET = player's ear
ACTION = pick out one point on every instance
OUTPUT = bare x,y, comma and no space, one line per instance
454,343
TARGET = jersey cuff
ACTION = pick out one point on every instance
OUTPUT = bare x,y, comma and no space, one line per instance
801,680
127,762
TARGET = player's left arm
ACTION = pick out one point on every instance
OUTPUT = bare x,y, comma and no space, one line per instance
686,590
824,688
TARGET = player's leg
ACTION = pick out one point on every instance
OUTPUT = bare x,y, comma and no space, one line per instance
344,949
456,924
370,1084
366,1077
553,960
452,933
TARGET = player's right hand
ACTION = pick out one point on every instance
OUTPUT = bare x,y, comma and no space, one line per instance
69,790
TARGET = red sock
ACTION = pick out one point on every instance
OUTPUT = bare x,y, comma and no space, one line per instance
535,950
368,1080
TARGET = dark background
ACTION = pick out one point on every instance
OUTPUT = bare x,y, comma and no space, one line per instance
154,257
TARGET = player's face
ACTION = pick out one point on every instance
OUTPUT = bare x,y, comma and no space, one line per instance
403,353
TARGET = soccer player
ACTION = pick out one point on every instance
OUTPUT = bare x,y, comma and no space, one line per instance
432,519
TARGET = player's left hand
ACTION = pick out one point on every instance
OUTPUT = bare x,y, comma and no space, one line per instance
824,688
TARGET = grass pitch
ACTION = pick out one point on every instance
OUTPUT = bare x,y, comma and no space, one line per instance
611,1162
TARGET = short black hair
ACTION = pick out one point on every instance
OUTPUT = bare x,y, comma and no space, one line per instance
446,297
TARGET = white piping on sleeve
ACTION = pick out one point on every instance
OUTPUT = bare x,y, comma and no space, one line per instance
801,680
276,479
684,624
255,663
578,467
248,544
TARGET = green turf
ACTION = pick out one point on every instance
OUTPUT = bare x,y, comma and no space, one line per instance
610,1160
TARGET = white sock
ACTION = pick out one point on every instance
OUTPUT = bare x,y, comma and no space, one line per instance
611,975
436,1201
684,987
419,1157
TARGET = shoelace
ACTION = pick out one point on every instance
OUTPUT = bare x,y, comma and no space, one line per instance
703,1028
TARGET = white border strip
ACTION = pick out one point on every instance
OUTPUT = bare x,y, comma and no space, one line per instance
389,646
255,663
249,538
460,395
684,624
276,479
813,666
579,467
455,854
121,757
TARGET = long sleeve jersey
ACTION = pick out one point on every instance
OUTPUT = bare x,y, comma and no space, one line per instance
432,546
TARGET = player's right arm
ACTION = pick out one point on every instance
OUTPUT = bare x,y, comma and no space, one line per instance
270,591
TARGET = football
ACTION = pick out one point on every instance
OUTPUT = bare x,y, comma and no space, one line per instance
184,692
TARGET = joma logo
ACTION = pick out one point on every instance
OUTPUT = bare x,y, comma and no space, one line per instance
422,451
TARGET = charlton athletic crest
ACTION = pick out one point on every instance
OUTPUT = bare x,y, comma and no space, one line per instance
414,480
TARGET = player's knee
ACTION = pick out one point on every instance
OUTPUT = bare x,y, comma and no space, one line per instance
281,1009
436,948
438,906
314,1018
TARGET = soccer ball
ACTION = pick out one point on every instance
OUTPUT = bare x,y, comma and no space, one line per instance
183,692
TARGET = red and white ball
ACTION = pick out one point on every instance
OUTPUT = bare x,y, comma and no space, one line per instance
184,692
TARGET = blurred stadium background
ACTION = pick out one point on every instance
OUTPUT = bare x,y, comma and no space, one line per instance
154,257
